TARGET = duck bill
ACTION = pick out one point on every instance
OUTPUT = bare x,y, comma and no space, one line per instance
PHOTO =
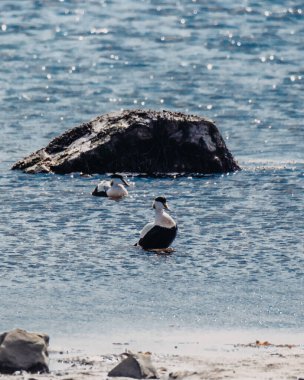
166,206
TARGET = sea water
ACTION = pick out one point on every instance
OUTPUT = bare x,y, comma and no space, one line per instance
68,263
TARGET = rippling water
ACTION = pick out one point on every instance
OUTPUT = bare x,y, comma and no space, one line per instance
67,260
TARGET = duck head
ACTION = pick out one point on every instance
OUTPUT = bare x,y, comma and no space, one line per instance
118,179
160,203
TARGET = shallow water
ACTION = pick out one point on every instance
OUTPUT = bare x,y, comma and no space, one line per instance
68,263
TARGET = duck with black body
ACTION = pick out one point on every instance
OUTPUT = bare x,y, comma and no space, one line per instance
160,233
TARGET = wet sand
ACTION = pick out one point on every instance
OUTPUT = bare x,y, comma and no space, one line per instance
196,355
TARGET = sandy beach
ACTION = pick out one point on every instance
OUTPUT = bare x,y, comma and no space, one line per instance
195,355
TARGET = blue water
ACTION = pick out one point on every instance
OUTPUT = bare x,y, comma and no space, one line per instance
67,261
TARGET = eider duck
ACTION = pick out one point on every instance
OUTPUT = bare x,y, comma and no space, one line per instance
112,189
160,233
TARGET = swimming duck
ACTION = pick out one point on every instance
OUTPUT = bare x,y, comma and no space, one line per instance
112,189
160,233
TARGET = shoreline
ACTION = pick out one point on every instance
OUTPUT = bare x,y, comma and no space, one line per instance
179,354
198,354
173,341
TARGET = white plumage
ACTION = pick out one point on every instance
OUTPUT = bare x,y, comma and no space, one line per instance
112,189
160,233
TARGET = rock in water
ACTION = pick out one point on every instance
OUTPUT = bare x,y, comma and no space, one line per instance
136,141
21,350
137,366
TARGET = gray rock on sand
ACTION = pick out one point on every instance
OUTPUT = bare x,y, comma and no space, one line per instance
137,366
152,143
22,350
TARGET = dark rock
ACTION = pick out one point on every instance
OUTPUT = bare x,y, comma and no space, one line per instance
21,350
136,141
137,366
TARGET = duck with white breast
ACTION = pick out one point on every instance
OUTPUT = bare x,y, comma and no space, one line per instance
160,233
113,189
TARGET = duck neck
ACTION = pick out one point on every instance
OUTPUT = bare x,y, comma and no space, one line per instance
163,219
159,214
115,184
159,211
